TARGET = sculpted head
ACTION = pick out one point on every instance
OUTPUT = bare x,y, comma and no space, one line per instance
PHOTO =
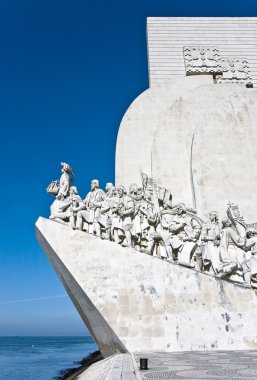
66,168
121,191
94,184
109,186
181,209
226,223
214,216
73,190
133,188
150,207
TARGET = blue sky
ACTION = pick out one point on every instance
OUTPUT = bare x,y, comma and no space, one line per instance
68,72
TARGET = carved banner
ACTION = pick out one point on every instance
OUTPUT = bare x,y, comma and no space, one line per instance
234,70
201,60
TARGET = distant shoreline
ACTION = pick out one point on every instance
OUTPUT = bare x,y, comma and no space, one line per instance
72,373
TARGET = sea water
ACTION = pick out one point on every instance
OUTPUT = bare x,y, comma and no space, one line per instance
41,358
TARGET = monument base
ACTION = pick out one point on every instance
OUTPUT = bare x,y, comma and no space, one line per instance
131,301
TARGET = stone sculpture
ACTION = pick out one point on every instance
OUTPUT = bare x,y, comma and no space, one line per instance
210,239
185,231
123,210
68,209
61,187
90,214
145,219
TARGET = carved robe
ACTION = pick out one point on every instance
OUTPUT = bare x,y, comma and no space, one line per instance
190,229
210,251
93,212
64,184
119,221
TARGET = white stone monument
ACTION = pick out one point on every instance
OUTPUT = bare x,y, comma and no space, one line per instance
142,264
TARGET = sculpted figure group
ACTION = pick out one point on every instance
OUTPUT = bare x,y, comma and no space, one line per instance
146,219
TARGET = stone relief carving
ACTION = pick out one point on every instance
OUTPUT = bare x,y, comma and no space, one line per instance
207,60
201,59
145,218
234,70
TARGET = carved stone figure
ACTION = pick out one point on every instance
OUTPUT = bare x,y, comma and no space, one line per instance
90,213
65,181
184,233
146,220
159,239
60,188
68,208
209,236
230,241
105,219
137,194
251,247
122,216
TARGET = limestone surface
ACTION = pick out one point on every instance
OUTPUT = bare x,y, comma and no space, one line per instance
131,301
200,143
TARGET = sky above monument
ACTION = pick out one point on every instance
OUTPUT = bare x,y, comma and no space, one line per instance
68,72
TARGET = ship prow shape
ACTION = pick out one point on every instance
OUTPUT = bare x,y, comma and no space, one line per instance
131,301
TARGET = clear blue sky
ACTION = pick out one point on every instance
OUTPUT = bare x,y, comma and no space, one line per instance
68,72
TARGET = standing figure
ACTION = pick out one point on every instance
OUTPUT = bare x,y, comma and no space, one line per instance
234,252
159,240
91,209
60,189
122,215
65,181
137,195
209,237
105,219
230,244
184,233
251,263
149,224
145,221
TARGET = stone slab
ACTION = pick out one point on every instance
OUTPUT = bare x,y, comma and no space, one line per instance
117,367
196,139
133,302
138,127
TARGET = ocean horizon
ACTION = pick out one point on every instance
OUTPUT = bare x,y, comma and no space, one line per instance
42,357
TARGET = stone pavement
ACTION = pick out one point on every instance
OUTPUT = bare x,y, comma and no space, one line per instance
203,365
116,367
200,365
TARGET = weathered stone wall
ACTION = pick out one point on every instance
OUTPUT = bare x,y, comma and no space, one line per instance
139,124
132,301
197,139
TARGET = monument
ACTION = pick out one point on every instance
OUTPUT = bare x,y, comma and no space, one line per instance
165,259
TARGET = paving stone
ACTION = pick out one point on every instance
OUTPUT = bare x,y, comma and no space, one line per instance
206,365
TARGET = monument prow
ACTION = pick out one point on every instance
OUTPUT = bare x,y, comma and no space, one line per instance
165,259
131,301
